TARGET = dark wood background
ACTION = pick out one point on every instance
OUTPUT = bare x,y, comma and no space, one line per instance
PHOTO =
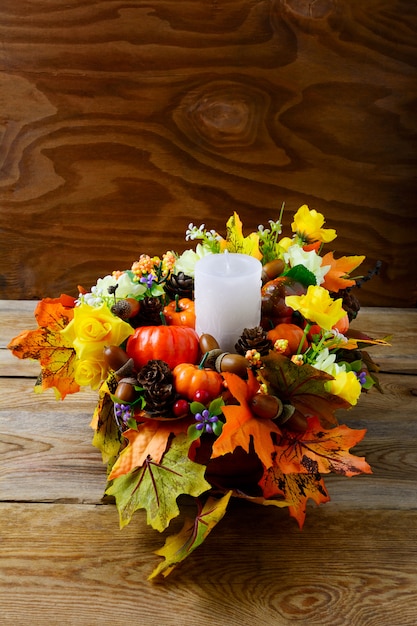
122,121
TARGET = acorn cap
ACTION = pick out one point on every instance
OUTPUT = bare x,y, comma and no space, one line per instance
211,358
126,370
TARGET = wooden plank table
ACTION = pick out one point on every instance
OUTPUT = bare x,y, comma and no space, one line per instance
63,559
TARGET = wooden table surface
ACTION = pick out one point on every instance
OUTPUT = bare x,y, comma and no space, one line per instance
63,559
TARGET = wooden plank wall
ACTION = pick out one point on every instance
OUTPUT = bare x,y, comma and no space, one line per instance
123,121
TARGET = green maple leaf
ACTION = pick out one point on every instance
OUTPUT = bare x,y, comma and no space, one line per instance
303,387
193,533
156,486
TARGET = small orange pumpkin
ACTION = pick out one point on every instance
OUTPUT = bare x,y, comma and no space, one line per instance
292,333
180,312
189,378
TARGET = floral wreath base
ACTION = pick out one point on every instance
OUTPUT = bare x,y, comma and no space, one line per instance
177,415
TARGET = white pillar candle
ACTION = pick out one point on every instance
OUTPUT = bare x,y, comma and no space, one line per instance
227,290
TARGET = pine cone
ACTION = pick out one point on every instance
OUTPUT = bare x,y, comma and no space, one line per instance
149,314
155,371
254,339
159,399
156,378
180,284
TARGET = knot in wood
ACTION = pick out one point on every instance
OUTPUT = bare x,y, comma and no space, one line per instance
224,115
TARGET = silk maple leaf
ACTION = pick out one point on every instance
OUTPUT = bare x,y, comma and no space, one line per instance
302,387
301,458
242,425
149,440
156,486
106,432
47,345
320,450
193,533
297,489
338,275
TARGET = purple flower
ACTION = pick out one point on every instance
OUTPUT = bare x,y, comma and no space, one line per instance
205,420
148,280
361,377
123,412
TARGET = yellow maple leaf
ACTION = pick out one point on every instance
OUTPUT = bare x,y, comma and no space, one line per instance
179,546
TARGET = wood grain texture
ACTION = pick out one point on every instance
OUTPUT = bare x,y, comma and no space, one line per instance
65,561
122,122
81,569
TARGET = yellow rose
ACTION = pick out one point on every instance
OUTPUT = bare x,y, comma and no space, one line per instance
93,328
89,373
308,226
317,306
345,385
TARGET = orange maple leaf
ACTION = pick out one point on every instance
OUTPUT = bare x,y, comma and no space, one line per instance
150,440
47,345
297,489
337,276
242,425
321,451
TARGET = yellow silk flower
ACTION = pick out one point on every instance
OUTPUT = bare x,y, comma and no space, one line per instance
345,385
317,306
93,328
89,373
308,226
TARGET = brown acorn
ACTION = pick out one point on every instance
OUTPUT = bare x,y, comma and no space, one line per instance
266,406
208,343
126,308
235,363
125,390
272,270
115,357
297,422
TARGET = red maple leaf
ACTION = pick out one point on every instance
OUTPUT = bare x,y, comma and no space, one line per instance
47,345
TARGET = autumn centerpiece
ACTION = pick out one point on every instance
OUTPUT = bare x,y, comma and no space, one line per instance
218,373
